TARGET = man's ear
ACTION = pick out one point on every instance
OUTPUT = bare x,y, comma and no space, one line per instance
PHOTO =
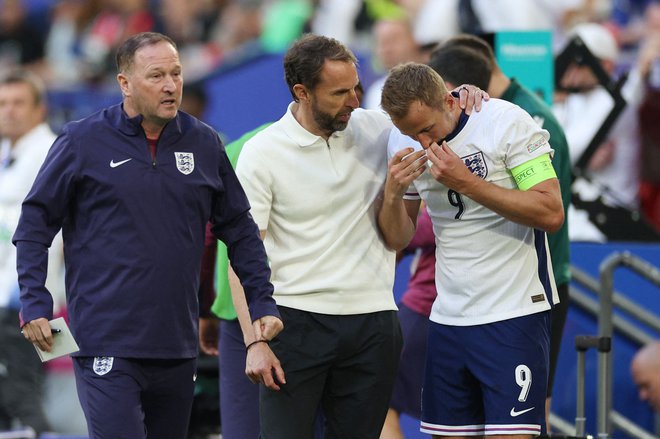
123,84
450,101
301,93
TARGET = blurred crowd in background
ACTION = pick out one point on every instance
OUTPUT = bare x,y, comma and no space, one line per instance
71,43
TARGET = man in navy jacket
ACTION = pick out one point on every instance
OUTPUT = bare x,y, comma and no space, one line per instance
132,188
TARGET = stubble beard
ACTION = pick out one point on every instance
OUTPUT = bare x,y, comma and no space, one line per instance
327,122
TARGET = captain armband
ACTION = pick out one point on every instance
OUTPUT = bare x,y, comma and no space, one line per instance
533,172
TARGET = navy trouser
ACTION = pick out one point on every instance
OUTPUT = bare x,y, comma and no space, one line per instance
128,398
239,398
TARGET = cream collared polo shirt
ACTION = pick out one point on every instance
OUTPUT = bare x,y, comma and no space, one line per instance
315,200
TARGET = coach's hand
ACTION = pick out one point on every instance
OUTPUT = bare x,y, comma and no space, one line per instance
267,327
38,332
262,366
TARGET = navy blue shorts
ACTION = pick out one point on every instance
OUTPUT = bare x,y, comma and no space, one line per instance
487,379
135,398
407,394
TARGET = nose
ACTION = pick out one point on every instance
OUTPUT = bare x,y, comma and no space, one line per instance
170,84
353,100
425,140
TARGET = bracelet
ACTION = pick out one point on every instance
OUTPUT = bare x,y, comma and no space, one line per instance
253,343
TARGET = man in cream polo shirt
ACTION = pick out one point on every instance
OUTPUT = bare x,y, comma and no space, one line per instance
313,179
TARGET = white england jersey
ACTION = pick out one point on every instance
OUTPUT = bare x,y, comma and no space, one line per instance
488,268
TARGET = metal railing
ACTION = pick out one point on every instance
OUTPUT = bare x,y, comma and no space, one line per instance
607,323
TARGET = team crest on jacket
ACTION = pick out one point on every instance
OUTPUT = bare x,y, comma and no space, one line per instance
476,164
185,162
102,365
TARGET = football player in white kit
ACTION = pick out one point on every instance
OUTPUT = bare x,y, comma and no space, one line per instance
492,193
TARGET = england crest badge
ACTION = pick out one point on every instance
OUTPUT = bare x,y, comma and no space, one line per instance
185,162
102,365
476,164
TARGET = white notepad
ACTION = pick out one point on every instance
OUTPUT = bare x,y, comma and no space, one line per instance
63,344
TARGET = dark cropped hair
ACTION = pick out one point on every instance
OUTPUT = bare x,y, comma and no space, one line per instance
304,60
126,52
461,65
21,76
472,42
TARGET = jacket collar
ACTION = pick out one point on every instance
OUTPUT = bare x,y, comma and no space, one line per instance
132,126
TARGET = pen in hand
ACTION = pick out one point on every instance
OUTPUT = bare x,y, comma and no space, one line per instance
52,331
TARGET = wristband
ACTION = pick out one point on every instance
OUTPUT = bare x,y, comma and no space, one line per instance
253,343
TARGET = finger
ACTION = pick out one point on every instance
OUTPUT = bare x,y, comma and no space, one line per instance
269,381
463,95
433,157
279,374
400,154
470,103
418,163
478,98
33,332
209,349
444,148
41,342
47,334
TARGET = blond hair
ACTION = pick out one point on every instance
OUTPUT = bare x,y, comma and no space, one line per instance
412,82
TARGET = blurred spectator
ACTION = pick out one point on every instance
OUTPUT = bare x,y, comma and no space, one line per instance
190,24
283,22
186,22
432,21
612,173
627,21
117,20
394,44
70,21
20,43
645,370
239,23
26,139
525,15
336,19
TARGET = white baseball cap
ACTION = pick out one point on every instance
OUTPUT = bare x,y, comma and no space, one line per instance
598,39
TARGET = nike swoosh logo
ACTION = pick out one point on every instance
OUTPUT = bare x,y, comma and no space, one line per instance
514,413
114,164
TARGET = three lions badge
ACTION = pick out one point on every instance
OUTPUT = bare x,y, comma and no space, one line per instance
102,365
185,162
